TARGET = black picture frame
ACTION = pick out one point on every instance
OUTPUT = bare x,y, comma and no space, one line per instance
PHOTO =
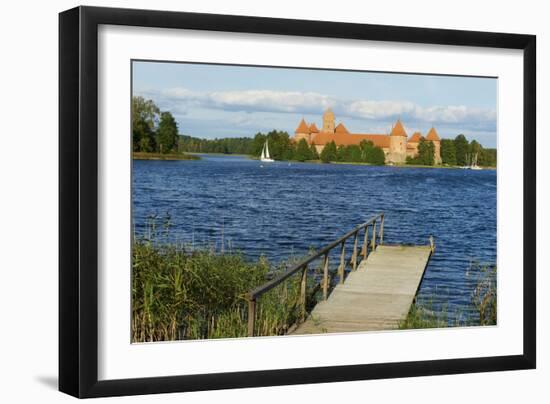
78,200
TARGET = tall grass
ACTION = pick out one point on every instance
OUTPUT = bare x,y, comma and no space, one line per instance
483,302
181,293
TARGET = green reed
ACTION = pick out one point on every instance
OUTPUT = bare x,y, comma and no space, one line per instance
182,293
483,302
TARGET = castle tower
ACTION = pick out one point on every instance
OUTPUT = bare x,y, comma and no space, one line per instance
434,138
302,132
328,121
398,144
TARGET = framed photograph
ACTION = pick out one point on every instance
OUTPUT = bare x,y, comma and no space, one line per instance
251,201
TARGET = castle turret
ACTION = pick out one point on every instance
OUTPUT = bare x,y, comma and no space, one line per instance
328,121
302,131
434,138
398,144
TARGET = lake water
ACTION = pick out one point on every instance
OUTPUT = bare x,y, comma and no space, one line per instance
282,210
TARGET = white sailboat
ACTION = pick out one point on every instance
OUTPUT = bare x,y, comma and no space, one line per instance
265,157
473,165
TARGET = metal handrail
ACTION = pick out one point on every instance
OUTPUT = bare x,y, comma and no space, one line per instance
302,266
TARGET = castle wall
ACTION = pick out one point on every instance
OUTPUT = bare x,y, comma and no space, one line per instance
412,149
299,136
398,149
437,152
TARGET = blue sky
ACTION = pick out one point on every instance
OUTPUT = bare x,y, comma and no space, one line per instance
229,101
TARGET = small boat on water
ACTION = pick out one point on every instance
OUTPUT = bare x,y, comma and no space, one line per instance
473,165
265,157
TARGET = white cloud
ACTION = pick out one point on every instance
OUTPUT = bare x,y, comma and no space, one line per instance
179,100
246,100
407,110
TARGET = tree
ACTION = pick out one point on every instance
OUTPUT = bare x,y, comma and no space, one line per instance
279,142
461,149
290,152
329,153
303,151
313,151
144,118
376,156
425,156
487,158
351,153
144,110
426,150
167,133
258,144
448,152
371,154
143,138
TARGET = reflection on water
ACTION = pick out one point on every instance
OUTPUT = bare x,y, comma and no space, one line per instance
282,209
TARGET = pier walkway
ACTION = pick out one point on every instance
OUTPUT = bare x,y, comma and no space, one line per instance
377,296
372,287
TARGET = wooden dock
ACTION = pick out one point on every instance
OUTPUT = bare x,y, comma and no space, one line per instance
376,296
376,292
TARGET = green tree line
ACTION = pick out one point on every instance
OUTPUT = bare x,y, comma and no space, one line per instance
228,145
454,152
460,152
426,153
365,152
153,131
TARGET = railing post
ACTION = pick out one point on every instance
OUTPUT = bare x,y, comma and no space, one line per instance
354,255
341,268
381,238
303,286
373,239
251,315
325,277
366,242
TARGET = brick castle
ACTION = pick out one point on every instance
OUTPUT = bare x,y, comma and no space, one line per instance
397,146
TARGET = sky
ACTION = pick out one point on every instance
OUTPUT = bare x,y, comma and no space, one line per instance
214,101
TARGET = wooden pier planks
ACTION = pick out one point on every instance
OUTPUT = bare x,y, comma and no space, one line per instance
377,296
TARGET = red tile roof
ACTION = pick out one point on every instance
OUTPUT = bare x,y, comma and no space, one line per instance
340,128
313,128
398,129
432,135
302,127
347,139
415,138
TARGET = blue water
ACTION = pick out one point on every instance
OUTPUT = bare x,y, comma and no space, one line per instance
282,210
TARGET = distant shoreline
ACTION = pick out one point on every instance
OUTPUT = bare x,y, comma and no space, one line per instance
161,156
222,154
196,156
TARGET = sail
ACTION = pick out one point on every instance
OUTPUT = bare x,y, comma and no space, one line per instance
262,156
267,150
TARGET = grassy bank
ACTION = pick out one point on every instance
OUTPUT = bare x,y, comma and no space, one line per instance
161,156
186,294
483,302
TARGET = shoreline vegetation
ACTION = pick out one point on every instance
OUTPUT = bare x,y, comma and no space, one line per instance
164,156
483,302
155,133
183,293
